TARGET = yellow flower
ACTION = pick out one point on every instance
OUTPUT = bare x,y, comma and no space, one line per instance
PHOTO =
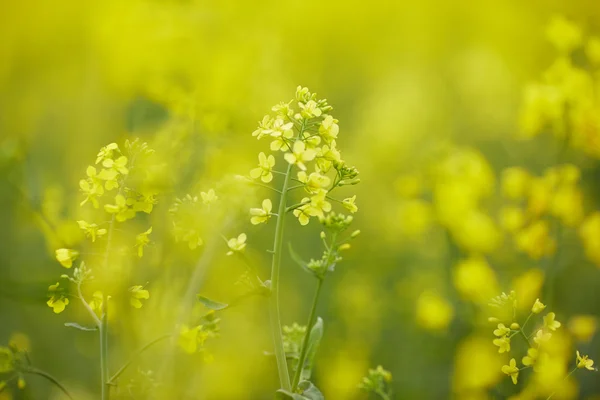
567,205
315,206
261,215
589,232
137,294
66,257
349,204
475,279
119,165
313,182
209,197
300,154
531,357
327,156
57,300
550,322
501,331
503,344
302,213
512,218
190,338
91,230
541,337
281,133
142,241
265,166
237,244
329,129
310,109
92,187
511,370
106,152
538,307
122,208
584,362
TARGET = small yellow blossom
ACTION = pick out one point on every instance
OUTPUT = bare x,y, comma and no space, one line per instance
511,370
329,129
531,357
512,218
538,307
313,182
237,244
350,205
503,344
142,241
550,322
119,165
300,154
209,197
92,187
433,311
21,383
501,331
122,208
310,109
265,166
261,215
57,300
190,338
535,240
584,362
66,257
541,337
281,134
137,294
91,230
106,152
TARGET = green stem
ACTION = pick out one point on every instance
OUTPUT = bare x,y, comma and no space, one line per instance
104,350
49,377
284,378
112,380
311,322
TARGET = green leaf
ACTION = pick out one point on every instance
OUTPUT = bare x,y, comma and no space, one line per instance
316,333
299,261
211,304
310,391
80,327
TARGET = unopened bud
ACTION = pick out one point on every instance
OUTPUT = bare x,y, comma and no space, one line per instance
355,233
344,246
515,326
322,235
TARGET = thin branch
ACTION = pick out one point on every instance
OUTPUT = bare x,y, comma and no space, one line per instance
49,377
112,380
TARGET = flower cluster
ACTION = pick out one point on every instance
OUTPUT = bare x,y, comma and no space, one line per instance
377,382
540,354
532,202
565,101
117,171
307,135
191,339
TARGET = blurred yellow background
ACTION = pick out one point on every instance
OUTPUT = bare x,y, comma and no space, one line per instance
435,105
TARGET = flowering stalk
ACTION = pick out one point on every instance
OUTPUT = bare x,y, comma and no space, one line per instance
284,377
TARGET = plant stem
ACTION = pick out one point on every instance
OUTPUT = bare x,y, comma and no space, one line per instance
284,377
35,371
311,322
104,350
564,379
112,380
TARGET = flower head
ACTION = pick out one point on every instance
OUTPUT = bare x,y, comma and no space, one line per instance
501,331
313,182
538,307
138,293
237,244
329,129
261,215
511,370
66,257
91,230
584,362
209,197
300,155
265,166
531,357
550,322
350,204
142,241
57,300
503,344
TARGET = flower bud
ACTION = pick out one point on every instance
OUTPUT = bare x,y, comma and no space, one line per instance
515,326
355,233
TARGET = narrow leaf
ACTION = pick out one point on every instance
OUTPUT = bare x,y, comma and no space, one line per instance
299,261
81,327
211,304
310,391
316,333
